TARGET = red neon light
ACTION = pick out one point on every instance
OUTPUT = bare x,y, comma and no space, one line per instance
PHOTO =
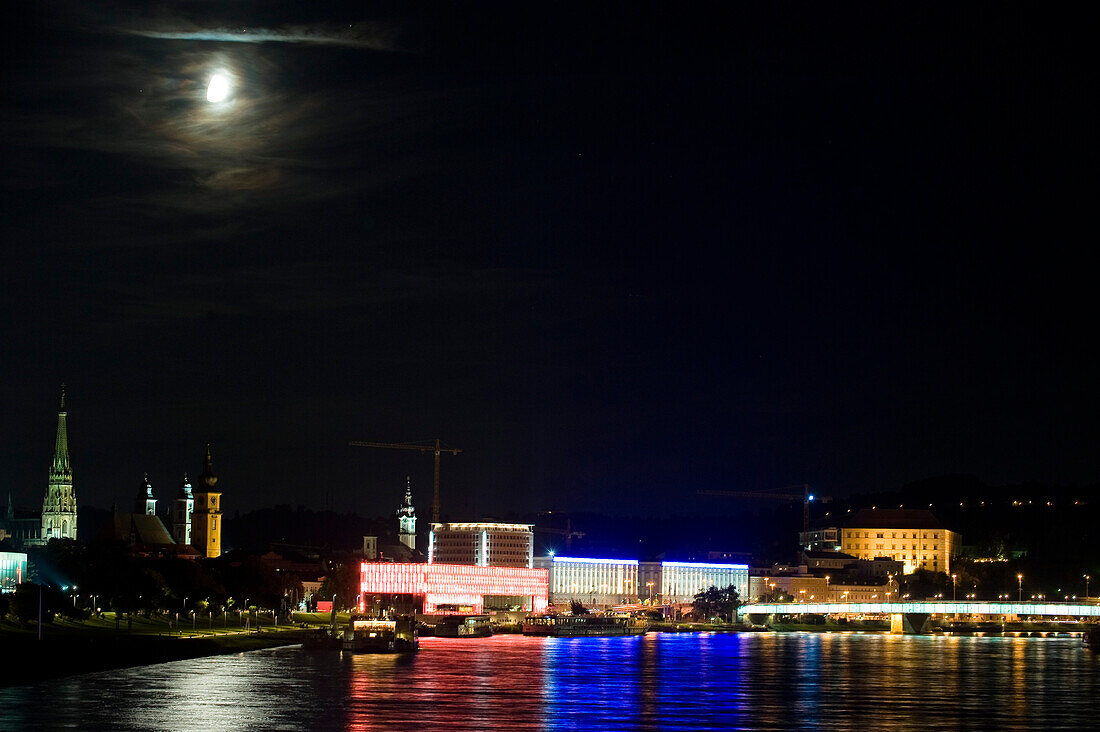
455,584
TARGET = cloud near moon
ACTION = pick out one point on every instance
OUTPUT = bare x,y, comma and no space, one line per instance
375,36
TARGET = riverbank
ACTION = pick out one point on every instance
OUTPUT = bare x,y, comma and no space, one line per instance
68,648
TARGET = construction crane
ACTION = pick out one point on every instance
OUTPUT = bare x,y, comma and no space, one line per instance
436,447
806,497
567,532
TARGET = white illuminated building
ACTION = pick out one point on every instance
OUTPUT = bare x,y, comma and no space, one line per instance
593,582
610,582
680,581
482,544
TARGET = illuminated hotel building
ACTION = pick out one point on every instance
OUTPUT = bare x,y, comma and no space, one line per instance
606,582
455,587
912,536
482,544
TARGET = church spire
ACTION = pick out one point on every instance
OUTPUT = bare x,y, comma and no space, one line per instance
60,469
59,503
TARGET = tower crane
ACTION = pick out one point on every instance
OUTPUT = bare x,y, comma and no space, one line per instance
567,532
806,497
436,447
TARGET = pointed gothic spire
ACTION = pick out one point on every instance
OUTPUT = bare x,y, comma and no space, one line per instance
60,469
11,508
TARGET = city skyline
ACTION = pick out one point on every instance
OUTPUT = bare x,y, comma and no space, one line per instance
612,256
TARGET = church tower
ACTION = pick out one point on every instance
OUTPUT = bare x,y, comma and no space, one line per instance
145,503
406,518
59,505
181,513
206,526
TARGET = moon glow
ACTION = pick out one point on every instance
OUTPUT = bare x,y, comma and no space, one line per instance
218,88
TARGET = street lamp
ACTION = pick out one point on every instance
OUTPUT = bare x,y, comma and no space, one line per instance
1020,587
1086,587
953,584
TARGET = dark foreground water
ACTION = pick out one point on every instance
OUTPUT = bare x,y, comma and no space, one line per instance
660,681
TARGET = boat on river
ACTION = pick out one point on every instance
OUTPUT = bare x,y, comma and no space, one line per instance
575,626
365,634
463,626
1092,639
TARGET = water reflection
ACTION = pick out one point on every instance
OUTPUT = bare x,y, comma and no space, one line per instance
660,681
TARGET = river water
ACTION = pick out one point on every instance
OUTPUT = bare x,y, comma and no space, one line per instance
832,681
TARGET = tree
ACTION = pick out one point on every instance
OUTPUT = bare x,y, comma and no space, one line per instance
576,607
716,603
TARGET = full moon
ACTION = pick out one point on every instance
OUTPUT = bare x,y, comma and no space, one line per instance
218,88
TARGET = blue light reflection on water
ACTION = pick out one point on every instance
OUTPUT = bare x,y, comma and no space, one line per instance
660,681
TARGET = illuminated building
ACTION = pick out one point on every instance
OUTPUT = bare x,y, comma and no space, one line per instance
912,536
608,582
181,513
13,570
406,518
820,539
799,587
455,587
681,581
59,504
594,582
206,530
482,544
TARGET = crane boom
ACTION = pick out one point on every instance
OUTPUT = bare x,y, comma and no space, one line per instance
437,447
805,497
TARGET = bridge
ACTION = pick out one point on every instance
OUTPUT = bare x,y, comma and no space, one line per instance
912,617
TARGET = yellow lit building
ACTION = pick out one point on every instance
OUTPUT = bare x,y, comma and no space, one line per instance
206,520
912,536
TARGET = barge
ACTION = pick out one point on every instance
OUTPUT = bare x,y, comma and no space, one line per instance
463,626
576,626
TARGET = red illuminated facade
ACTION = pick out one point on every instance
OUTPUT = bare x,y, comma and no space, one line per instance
455,584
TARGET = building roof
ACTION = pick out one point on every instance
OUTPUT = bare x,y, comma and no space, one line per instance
820,554
894,518
136,529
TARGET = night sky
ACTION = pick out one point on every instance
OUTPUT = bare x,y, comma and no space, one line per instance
615,255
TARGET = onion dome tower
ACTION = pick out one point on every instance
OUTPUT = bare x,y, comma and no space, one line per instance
206,525
59,504
181,513
145,503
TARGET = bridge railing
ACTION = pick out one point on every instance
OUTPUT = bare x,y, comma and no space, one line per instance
937,607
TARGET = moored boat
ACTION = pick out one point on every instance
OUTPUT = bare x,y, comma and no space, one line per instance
463,626
574,626
365,634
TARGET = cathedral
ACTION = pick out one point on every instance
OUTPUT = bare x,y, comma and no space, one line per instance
58,517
